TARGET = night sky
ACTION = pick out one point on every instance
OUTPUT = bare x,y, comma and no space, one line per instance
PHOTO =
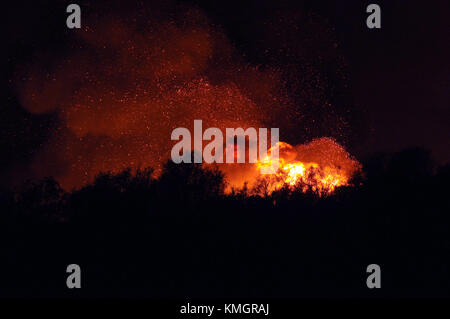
390,86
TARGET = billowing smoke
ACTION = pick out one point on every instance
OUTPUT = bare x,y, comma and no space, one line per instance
127,80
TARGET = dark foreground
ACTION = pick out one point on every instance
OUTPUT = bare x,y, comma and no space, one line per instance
179,237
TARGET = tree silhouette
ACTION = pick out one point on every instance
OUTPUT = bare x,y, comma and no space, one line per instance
178,234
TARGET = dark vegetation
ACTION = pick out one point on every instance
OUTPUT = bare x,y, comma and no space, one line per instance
180,236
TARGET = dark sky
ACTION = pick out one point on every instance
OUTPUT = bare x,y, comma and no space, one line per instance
398,76
401,74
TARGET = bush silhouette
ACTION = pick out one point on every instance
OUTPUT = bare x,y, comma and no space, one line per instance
177,234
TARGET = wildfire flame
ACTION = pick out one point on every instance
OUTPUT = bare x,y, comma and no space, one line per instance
320,166
305,175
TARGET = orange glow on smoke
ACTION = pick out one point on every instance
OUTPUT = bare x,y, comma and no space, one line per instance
116,96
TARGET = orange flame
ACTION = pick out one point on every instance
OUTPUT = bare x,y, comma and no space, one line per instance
320,166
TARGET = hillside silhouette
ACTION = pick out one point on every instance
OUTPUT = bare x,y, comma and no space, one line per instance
179,235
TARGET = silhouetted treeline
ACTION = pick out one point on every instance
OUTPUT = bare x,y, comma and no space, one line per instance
180,235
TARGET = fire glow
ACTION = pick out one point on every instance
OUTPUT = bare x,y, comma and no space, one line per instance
322,180
282,166
319,166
